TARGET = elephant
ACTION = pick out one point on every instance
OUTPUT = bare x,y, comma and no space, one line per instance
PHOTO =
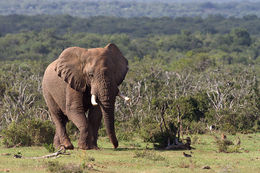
81,86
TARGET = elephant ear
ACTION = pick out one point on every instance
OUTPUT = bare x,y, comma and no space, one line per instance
69,67
120,62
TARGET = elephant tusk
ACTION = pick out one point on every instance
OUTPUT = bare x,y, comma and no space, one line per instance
93,100
123,97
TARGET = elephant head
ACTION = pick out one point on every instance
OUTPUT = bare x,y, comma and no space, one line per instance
99,71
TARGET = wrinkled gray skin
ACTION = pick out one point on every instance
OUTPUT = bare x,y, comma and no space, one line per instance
68,84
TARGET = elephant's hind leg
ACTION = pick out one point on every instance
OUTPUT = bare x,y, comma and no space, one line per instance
56,140
61,138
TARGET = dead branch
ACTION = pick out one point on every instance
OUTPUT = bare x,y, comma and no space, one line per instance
61,151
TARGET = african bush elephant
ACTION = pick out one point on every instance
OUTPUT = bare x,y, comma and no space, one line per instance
82,80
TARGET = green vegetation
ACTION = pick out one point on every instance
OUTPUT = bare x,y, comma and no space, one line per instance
187,74
139,159
194,79
134,27
49,147
28,132
55,166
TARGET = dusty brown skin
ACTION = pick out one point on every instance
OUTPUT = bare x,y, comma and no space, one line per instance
68,84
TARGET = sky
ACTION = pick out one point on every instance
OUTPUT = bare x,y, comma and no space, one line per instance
181,1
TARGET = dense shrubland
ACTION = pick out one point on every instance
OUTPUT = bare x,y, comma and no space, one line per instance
192,79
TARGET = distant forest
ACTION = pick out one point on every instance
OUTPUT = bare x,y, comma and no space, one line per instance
134,27
131,8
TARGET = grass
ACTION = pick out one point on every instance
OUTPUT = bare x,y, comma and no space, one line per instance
136,156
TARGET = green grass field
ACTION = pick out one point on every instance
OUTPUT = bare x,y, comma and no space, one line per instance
137,156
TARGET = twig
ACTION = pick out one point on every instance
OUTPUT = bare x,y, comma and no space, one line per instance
61,151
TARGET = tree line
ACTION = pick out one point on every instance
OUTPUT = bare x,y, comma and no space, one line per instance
86,8
235,47
134,27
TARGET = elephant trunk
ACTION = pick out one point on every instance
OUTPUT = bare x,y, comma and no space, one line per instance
107,96
108,114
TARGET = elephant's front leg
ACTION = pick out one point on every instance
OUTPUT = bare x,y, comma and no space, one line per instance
76,113
81,122
94,117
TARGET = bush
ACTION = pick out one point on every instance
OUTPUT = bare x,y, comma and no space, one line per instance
197,127
125,136
125,131
102,132
28,132
152,133
226,146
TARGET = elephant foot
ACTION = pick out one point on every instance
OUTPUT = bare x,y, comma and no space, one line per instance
83,146
94,147
67,145
64,142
